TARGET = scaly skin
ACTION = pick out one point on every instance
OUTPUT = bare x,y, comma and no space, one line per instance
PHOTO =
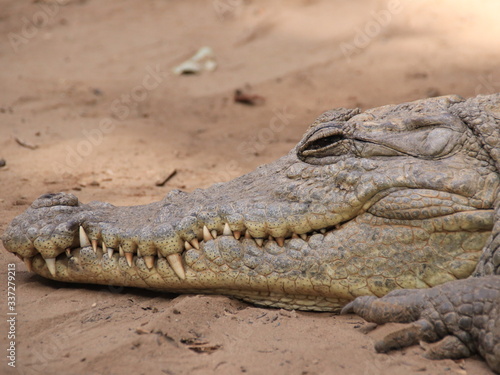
401,196
461,317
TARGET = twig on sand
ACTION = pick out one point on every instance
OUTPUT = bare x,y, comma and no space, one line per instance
166,179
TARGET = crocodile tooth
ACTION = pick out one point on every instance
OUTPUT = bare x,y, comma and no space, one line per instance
29,264
129,257
280,241
323,231
260,241
68,252
51,265
94,246
214,233
122,254
150,261
139,254
227,231
187,245
304,236
175,262
107,250
295,235
237,234
206,234
248,236
195,244
84,239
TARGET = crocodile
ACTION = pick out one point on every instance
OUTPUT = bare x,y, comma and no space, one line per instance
391,213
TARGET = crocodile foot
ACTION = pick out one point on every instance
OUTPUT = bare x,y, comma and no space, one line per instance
459,318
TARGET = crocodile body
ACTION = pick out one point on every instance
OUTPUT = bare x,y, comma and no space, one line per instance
397,197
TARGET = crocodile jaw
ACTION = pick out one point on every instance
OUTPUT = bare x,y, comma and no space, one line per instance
376,251
322,272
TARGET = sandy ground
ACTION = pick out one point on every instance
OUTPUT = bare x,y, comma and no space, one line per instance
90,84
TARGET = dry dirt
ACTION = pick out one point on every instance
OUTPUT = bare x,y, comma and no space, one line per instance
90,84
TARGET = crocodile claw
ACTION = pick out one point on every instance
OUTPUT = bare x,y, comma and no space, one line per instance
459,318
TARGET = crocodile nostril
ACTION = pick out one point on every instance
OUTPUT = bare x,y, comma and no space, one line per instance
47,196
55,199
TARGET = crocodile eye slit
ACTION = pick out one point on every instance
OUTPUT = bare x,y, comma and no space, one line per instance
327,141
323,142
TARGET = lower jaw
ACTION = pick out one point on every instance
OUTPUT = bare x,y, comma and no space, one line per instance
86,267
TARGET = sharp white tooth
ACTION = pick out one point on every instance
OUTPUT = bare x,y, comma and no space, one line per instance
139,254
107,250
195,244
29,264
94,246
68,252
150,261
323,231
304,236
247,235
295,235
259,241
227,231
129,257
206,234
280,241
175,262
84,239
120,250
214,233
237,234
51,265
187,245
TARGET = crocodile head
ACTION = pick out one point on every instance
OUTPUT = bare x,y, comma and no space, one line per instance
399,196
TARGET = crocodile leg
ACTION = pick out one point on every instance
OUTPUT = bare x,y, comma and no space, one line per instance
461,317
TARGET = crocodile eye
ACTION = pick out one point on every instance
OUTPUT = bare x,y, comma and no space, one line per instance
323,142
326,141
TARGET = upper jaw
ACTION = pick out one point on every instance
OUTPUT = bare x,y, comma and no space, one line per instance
252,206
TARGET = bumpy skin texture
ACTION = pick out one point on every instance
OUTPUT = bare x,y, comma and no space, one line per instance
401,196
460,317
